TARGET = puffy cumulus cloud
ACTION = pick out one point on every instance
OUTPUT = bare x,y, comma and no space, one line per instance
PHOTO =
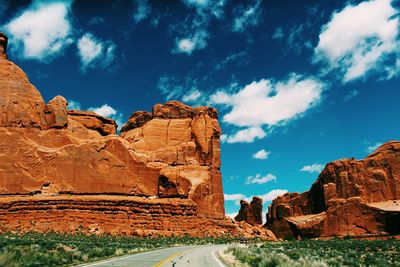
192,96
143,10
94,52
261,154
109,112
271,195
234,197
360,39
259,179
312,168
195,42
373,147
267,197
42,31
247,16
246,135
267,103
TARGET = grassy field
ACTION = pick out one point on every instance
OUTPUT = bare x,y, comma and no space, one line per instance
65,250
335,252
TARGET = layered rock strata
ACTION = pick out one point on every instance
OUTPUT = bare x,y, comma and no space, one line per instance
350,197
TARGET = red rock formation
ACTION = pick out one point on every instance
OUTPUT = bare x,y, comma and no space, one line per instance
118,215
250,212
350,197
67,170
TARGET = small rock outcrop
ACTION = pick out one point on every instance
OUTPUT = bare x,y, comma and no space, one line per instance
250,212
350,197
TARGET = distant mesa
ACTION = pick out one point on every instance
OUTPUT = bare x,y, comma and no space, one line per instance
68,170
349,198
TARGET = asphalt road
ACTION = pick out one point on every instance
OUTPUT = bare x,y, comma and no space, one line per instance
193,256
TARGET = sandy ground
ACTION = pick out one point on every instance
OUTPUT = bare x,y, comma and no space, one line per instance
391,205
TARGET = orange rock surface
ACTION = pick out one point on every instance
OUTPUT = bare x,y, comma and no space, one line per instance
67,170
250,212
346,199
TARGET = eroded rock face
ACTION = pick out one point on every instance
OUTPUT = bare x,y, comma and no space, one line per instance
348,198
68,162
92,121
183,142
250,212
21,104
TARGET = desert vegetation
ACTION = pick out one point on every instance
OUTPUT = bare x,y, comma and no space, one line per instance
52,249
335,252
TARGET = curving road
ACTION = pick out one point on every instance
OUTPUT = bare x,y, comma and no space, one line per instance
193,256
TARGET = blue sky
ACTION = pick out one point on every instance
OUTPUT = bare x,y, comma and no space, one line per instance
297,84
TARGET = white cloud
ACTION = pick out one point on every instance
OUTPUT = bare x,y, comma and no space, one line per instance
192,96
359,39
195,42
268,103
231,215
221,98
246,17
261,154
143,10
271,195
373,147
42,31
247,135
313,168
105,110
94,52
258,179
109,112
234,197
72,104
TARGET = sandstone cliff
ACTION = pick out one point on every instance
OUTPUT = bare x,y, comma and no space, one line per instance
350,197
68,170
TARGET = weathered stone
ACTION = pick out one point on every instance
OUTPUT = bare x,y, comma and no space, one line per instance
21,104
250,212
93,121
56,113
345,199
